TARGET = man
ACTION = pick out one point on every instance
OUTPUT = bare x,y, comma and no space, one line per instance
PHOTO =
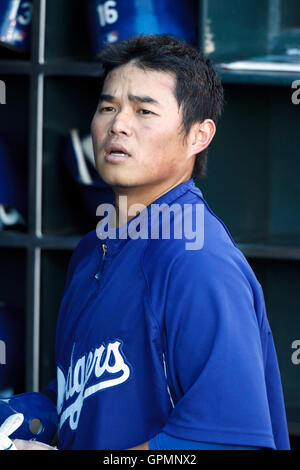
162,343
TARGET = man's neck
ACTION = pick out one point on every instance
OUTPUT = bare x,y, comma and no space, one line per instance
130,201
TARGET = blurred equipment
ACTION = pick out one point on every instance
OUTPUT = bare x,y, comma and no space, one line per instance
13,194
15,24
40,416
7,428
11,347
111,21
78,159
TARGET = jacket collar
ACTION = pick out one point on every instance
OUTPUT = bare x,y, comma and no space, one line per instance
114,239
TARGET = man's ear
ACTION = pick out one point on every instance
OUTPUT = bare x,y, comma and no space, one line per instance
201,135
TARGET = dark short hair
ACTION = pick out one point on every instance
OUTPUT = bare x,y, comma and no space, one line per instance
198,87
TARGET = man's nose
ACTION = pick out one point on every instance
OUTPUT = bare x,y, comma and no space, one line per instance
121,124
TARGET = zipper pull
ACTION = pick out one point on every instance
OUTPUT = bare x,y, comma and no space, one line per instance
104,252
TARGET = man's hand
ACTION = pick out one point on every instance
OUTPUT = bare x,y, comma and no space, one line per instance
10,425
35,445
144,446
31,445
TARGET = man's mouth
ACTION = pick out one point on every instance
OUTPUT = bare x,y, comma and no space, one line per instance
116,153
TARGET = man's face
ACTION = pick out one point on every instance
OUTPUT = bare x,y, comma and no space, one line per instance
137,130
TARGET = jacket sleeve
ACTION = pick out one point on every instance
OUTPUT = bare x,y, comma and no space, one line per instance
213,352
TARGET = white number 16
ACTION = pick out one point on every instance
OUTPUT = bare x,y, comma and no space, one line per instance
107,13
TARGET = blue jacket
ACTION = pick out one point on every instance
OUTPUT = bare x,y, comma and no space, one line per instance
157,334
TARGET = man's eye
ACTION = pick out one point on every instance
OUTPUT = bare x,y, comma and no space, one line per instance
145,111
106,109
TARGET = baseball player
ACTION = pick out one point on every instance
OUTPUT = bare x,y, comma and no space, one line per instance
163,341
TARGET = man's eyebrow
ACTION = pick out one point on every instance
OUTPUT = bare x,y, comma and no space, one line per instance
143,99
106,97
134,98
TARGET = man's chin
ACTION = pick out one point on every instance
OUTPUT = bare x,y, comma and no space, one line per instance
119,178
119,182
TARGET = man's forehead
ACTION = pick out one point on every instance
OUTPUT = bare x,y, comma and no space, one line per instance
139,78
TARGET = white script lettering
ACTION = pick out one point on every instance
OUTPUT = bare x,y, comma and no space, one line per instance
105,360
